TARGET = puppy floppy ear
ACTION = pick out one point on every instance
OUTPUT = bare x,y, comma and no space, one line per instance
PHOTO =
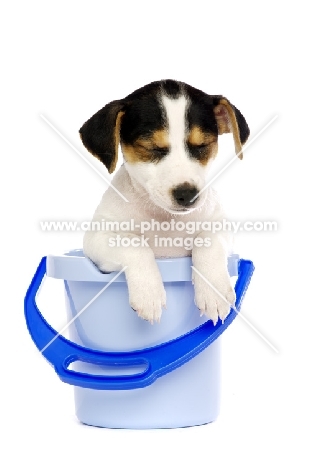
101,134
230,120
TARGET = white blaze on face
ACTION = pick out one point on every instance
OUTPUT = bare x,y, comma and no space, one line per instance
178,167
175,110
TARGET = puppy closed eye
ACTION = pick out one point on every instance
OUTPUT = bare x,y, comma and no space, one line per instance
156,153
159,153
198,151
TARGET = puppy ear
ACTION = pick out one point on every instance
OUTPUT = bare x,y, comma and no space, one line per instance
101,134
230,120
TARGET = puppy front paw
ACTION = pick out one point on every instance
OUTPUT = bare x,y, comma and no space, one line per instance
214,295
147,296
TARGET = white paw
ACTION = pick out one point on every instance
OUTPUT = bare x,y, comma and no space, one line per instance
147,296
214,295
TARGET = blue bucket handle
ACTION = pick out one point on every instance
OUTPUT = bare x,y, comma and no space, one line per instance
158,360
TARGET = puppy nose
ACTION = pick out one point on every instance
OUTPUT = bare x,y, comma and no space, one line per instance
184,193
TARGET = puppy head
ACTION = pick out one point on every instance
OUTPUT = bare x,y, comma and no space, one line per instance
168,132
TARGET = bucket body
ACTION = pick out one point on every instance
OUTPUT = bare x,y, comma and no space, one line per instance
187,396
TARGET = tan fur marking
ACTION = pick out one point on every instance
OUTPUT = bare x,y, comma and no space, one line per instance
226,122
135,153
160,138
116,141
142,148
198,137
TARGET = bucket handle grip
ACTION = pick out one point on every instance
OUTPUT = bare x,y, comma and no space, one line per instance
158,360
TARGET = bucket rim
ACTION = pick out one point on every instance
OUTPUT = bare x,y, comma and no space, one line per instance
75,266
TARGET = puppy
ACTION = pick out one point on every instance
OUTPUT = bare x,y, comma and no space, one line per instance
168,132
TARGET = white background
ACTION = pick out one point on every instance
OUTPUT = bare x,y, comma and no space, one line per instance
66,60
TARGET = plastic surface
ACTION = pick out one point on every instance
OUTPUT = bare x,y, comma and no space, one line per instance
188,396
74,266
155,361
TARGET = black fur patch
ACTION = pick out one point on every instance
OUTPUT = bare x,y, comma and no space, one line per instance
201,110
98,133
172,88
142,117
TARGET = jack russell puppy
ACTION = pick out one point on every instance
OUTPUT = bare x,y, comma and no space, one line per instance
168,132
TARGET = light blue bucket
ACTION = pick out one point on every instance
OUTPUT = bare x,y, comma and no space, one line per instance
126,372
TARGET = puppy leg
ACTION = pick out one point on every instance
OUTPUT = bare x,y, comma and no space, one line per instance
213,291
146,291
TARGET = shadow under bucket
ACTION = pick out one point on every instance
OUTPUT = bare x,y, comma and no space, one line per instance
126,372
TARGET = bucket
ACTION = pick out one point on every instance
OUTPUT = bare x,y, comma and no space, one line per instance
126,372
